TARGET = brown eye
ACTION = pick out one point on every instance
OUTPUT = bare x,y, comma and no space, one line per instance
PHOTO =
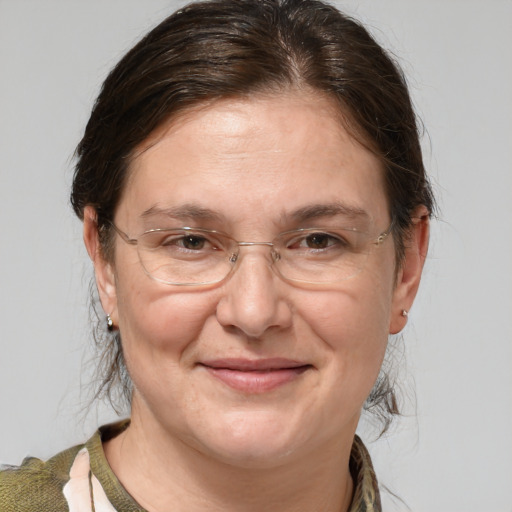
319,241
192,242
184,242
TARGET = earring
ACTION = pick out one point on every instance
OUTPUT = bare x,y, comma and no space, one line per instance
405,313
110,324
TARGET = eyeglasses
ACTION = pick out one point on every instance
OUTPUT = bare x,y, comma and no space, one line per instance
188,256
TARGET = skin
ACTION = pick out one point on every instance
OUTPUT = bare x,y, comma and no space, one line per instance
196,443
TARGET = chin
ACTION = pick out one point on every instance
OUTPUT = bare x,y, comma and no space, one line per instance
254,441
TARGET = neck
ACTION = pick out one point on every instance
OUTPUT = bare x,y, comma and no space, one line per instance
165,473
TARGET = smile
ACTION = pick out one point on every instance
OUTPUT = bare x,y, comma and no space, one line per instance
255,376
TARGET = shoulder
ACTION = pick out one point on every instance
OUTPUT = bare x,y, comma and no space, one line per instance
76,479
37,485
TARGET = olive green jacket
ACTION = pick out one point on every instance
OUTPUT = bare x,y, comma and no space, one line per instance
80,480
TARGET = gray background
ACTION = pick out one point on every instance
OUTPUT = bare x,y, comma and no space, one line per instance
452,451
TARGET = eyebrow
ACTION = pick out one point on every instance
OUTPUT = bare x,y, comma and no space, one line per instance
306,213
313,211
181,212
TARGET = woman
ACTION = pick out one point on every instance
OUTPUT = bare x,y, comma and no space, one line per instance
256,209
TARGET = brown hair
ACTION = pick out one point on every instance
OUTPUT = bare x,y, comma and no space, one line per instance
228,48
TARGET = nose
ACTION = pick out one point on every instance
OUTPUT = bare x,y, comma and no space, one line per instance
253,301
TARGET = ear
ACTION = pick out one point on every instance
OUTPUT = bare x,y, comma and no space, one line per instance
103,270
409,275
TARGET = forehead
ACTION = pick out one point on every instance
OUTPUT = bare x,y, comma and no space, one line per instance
265,156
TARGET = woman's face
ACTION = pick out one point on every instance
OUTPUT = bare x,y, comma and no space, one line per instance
255,369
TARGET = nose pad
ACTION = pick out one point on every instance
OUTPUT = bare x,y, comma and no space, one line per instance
275,256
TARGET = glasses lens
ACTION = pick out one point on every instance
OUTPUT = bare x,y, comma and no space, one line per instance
317,256
185,256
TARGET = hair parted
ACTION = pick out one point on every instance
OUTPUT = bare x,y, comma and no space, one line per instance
231,48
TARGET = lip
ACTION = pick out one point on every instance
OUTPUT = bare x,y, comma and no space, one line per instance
257,375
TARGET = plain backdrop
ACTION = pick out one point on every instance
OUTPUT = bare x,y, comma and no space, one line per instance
452,451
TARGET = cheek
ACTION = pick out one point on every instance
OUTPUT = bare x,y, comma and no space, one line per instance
352,327
349,319
156,320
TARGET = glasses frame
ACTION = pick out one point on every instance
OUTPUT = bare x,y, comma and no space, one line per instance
233,258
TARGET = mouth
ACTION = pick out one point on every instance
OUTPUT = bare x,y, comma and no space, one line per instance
255,376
